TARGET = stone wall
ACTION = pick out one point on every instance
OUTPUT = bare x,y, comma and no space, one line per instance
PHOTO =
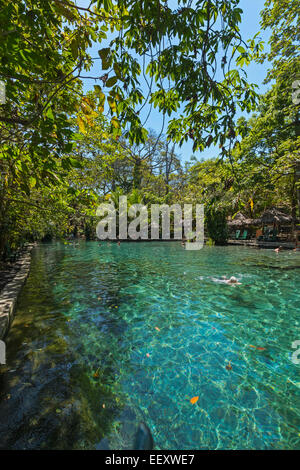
9,294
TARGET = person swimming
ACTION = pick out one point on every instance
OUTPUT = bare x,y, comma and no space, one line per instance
232,280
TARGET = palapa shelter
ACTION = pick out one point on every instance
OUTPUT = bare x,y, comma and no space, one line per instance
240,220
274,216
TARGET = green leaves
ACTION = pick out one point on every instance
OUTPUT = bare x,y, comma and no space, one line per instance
107,5
81,124
115,123
117,70
216,225
71,162
166,101
111,81
68,13
112,104
105,57
74,48
101,98
49,114
168,56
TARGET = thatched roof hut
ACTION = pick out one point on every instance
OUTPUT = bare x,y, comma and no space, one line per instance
270,216
240,220
274,215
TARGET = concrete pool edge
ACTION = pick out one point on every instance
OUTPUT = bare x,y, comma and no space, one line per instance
10,292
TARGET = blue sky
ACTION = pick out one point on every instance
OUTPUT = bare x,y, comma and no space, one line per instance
256,72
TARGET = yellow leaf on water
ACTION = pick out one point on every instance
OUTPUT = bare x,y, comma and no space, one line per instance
194,400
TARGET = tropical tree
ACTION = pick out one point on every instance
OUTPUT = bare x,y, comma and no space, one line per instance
185,58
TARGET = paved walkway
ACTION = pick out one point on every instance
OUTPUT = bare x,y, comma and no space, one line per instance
10,292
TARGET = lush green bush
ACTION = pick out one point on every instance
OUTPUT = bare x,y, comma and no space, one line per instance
216,225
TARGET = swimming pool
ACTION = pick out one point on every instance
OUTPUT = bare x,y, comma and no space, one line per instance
107,336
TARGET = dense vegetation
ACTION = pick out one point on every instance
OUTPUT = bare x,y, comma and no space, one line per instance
63,151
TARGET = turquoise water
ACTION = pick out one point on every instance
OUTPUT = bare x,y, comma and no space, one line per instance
155,325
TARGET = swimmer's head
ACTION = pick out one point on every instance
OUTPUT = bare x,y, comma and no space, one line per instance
233,280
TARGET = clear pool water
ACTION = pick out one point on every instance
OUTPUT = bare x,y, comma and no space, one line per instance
155,326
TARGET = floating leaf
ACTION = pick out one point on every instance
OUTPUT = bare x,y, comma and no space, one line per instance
156,327
259,348
194,400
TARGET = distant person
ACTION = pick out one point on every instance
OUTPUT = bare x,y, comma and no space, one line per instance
232,280
277,250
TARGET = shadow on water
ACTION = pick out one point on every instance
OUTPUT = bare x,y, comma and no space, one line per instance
49,397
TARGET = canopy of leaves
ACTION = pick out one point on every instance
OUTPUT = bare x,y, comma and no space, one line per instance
63,150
